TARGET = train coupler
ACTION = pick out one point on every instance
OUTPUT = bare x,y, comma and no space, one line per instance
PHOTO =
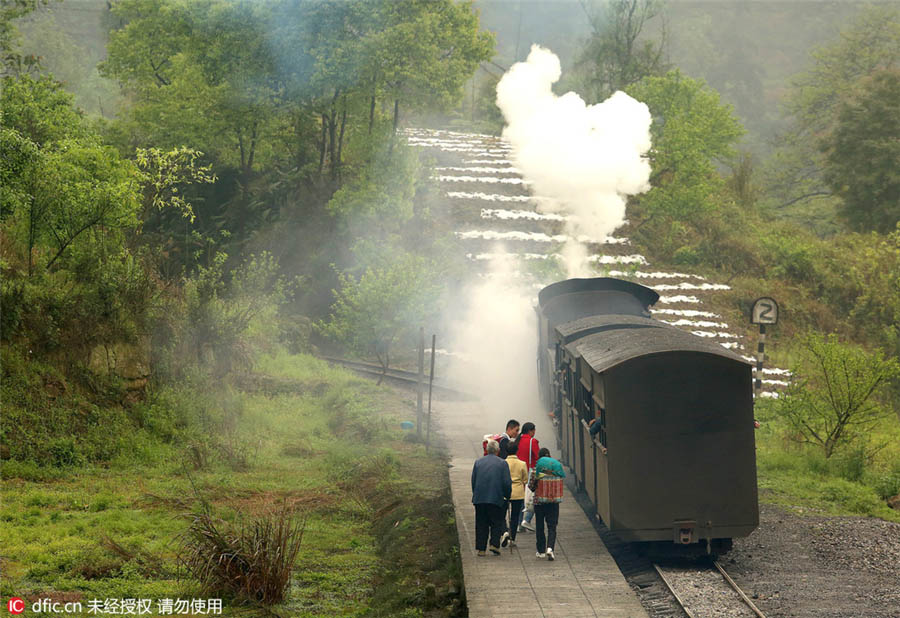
685,532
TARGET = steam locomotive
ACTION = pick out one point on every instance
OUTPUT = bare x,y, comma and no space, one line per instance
673,460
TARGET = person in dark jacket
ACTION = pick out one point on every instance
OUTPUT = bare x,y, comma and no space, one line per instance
491,488
508,438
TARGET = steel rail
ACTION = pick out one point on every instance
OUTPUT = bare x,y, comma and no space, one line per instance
672,590
397,375
727,578
737,589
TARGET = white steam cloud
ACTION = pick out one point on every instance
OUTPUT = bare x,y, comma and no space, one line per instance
588,157
583,161
497,333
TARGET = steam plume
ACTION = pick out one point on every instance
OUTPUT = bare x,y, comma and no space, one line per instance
588,157
497,332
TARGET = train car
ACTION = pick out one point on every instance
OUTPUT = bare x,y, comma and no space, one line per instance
674,461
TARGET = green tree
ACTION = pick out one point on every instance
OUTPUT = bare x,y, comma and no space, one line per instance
63,187
12,61
40,109
164,173
284,96
836,393
427,52
214,321
868,45
692,131
200,73
384,305
66,185
615,54
876,305
83,187
863,152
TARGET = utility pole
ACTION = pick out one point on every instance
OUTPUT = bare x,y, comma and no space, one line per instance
420,382
430,388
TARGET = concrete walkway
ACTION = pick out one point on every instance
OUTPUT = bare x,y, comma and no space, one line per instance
582,581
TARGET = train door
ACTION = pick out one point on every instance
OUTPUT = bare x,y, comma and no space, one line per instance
586,414
569,413
557,387
579,389
564,420
600,451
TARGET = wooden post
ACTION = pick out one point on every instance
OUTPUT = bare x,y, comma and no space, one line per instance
764,311
760,358
430,387
419,382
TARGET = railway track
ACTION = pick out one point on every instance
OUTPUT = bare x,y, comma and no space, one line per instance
399,376
701,590
707,591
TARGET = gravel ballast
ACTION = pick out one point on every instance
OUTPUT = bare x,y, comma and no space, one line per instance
818,566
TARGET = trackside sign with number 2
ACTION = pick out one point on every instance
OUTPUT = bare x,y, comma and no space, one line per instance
765,311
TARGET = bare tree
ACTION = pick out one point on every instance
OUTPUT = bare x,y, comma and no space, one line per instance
615,55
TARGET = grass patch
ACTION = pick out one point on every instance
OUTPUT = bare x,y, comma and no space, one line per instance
324,447
855,481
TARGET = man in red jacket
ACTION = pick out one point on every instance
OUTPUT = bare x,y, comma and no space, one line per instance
528,452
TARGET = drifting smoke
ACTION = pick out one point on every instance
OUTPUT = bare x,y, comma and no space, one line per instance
584,161
588,157
497,333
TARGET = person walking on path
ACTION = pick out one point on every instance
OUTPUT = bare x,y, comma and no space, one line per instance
508,449
527,451
528,446
547,496
518,472
508,438
491,488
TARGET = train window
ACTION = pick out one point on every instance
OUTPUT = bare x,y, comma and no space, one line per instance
586,408
602,433
578,389
599,390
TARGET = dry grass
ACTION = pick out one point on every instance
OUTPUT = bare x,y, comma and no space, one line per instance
152,500
150,565
260,503
252,564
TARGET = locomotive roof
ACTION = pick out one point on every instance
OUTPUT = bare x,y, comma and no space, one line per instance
645,295
582,327
604,350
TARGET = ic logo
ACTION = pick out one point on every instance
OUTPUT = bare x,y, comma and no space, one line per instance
16,605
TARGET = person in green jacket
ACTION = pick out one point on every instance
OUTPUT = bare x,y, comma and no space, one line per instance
547,496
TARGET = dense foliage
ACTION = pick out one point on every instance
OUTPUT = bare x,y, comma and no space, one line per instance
254,166
862,153
869,44
254,182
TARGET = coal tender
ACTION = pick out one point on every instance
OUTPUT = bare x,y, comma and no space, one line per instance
673,463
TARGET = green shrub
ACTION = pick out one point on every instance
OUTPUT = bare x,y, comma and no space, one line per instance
65,452
687,256
854,497
887,483
30,471
792,256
